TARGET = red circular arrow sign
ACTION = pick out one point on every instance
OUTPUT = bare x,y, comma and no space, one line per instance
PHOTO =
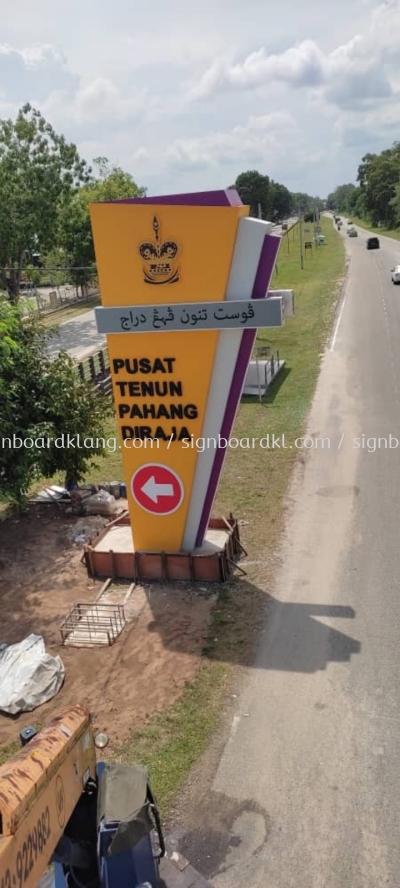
157,489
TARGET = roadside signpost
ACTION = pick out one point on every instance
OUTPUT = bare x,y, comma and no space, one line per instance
184,287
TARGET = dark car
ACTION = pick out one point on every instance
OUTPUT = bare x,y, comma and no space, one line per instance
373,243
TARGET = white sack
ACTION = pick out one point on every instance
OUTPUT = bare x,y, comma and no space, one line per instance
28,676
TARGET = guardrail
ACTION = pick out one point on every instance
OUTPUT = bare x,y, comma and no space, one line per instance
96,369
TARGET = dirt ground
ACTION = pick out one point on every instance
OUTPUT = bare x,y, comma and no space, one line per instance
147,668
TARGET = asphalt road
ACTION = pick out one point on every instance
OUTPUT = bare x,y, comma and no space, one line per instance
306,792
277,229
78,336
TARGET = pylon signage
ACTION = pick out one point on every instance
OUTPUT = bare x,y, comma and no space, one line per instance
184,286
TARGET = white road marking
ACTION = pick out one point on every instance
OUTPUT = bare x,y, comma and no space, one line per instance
338,323
235,725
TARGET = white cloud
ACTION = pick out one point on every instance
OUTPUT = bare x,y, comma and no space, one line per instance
100,98
41,75
189,97
179,49
31,72
40,54
355,129
299,66
359,70
260,141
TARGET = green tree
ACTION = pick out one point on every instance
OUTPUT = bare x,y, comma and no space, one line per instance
341,198
9,328
254,191
378,175
395,203
356,203
302,202
111,183
42,399
38,170
281,202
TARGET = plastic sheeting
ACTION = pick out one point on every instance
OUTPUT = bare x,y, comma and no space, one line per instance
48,880
28,676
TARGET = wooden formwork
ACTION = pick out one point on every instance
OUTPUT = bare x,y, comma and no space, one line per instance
214,566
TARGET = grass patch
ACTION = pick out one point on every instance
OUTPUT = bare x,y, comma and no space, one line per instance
387,232
61,315
174,739
7,751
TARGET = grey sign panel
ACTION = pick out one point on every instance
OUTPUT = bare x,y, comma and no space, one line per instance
234,315
287,297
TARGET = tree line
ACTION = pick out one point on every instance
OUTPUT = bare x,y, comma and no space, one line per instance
376,197
41,399
45,191
271,200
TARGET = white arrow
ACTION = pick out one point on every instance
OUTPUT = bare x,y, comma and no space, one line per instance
154,490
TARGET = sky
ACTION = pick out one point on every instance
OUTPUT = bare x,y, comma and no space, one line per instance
185,96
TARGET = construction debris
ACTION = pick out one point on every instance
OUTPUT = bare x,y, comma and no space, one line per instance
29,676
87,528
89,625
51,495
90,499
102,503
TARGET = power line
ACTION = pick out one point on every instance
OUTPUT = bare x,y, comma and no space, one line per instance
50,268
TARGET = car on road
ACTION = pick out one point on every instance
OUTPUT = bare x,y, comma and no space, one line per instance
373,243
352,232
396,274
349,222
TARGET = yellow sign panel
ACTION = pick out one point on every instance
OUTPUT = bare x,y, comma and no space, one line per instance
127,245
160,394
148,255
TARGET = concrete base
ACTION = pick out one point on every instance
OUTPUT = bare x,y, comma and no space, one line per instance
118,538
113,555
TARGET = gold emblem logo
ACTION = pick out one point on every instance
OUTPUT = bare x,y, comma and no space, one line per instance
159,266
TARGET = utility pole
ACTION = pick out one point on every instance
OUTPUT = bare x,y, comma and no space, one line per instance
315,225
259,211
301,240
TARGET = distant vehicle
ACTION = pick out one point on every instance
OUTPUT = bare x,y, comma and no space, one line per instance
396,274
349,222
373,243
284,226
352,232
